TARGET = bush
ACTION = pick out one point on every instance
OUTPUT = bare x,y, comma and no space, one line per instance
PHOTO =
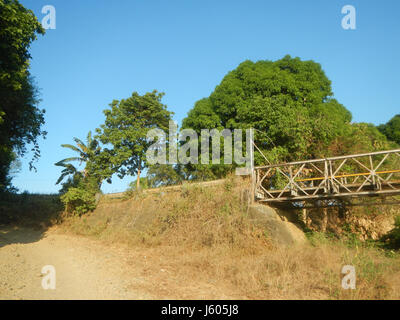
393,237
81,199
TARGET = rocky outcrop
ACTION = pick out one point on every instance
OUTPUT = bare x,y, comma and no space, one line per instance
367,222
280,230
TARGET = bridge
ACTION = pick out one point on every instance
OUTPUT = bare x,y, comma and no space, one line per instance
359,175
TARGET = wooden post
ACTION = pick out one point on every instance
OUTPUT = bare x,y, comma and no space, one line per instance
304,215
253,174
324,219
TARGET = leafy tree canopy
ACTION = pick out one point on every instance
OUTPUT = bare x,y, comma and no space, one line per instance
289,101
125,129
160,175
361,138
20,118
392,129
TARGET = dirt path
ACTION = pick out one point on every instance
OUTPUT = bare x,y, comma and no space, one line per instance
88,269
84,269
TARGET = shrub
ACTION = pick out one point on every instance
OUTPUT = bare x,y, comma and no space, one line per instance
81,199
78,201
394,236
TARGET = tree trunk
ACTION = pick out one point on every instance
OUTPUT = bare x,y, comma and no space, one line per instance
324,219
304,217
138,180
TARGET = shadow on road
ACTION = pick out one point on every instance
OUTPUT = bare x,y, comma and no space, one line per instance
15,235
24,218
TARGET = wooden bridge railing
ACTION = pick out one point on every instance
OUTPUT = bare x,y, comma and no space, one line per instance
374,173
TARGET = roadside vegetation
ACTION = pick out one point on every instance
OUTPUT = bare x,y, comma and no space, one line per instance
37,211
205,233
288,102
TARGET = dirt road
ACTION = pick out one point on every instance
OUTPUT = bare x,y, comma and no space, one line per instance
84,269
88,269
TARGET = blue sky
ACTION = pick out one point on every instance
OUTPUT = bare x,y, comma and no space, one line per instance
103,50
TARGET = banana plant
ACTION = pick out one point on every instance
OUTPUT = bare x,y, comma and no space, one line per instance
86,152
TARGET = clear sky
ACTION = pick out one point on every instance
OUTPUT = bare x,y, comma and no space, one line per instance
105,49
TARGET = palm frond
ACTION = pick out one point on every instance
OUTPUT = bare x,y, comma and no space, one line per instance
70,146
89,138
62,163
81,145
68,170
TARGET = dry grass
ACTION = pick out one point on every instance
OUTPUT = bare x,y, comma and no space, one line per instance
203,235
281,273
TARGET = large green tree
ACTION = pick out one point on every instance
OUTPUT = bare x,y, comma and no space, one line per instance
392,129
125,131
20,118
289,102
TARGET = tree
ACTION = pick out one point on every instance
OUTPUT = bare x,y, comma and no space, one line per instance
289,102
392,129
159,175
86,154
20,118
78,192
362,138
125,130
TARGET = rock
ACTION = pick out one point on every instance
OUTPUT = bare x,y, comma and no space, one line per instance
281,232
366,225
263,213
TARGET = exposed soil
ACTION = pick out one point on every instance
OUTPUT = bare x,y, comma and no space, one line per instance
87,269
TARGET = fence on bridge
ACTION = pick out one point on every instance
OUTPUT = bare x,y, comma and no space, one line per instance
368,174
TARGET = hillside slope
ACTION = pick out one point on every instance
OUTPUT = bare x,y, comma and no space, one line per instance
206,235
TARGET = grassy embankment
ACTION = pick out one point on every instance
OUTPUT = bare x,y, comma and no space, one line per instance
204,233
